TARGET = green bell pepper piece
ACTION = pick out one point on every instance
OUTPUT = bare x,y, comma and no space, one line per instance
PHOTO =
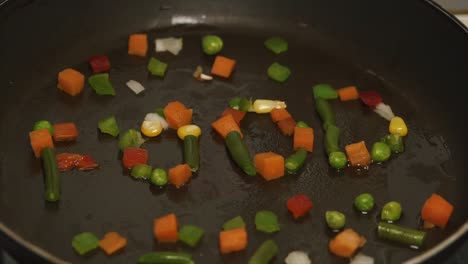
190,234
266,221
101,84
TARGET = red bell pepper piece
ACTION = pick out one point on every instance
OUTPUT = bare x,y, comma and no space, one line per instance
134,156
299,205
99,63
370,98
86,163
67,161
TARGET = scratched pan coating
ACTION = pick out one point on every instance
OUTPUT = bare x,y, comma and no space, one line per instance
109,199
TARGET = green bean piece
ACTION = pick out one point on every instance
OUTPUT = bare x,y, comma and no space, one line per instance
265,253
391,211
51,175
212,44
325,111
245,104
191,152
332,137
364,202
44,124
337,159
159,177
235,103
380,152
239,153
294,162
165,257
324,91
403,235
335,220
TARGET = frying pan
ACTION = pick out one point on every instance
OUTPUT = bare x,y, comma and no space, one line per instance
412,52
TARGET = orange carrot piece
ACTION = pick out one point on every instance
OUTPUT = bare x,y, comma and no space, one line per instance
287,126
165,229
270,165
65,131
112,242
232,240
138,45
177,114
71,81
279,114
226,124
40,139
238,115
304,138
358,155
348,93
223,66
180,174
437,210
346,243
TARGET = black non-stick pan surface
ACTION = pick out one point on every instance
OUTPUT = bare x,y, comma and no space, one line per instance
409,51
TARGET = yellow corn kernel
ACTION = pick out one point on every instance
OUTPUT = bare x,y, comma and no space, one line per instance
262,106
397,126
151,128
187,130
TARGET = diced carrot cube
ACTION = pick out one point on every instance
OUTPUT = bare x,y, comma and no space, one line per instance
40,139
112,242
138,45
279,114
348,93
177,114
287,126
269,165
232,240
180,174
225,124
437,210
165,229
223,66
358,155
238,115
71,81
304,138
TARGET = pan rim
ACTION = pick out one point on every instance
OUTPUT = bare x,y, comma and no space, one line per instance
424,256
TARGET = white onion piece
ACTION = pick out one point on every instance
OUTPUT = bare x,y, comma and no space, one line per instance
156,117
173,45
384,111
135,86
206,77
362,259
297,257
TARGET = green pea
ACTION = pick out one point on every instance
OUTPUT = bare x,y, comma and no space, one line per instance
364,202
302,124
158,177
395,142
335,220
212,44
391,211
43,124
380,152
337,159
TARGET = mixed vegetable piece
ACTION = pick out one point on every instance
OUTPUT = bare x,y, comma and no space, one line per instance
233,237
